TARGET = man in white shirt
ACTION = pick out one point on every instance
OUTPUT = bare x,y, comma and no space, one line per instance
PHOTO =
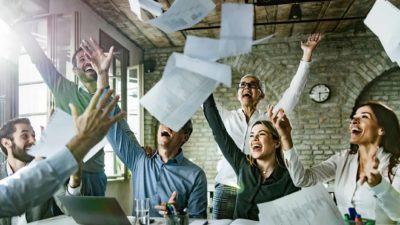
238,123
34,184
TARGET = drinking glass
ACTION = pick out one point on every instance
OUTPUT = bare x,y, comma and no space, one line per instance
142,207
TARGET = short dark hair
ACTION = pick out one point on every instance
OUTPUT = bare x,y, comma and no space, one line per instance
8,129
73,60
187,128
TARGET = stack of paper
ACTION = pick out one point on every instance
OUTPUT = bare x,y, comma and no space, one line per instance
383,20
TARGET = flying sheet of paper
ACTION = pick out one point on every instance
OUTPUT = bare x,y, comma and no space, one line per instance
183,14
135,8
236,35
263,40
383,12
194,47
59,131
153,7
311,205
185,85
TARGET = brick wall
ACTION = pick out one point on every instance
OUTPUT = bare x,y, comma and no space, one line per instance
345,62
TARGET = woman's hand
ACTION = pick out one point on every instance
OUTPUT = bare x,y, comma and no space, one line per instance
282,125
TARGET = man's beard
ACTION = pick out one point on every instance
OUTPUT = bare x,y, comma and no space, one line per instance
21,154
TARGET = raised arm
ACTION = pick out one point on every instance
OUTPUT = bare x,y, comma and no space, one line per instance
36,183
292,95
231,152
301,177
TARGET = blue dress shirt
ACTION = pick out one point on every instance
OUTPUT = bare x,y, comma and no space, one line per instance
154,179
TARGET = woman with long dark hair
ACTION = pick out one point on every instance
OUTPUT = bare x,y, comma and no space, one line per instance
262,175
366,176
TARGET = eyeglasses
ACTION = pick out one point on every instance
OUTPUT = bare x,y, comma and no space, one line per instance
250,85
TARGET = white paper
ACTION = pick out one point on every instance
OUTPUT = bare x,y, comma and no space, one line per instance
236,33
195,48
263,40
312,205
135,8
383,20
57,134
185,85
155,8
183,14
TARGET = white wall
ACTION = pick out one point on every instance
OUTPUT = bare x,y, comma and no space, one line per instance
91,24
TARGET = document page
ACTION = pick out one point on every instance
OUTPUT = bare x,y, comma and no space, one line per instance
185,85
383,20
312,205
183,14
51,141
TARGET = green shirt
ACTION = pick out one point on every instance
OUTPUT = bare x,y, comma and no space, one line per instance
64,91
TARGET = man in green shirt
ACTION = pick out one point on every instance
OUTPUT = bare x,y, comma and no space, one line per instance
94,180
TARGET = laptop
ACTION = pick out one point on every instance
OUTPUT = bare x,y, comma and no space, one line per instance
93,210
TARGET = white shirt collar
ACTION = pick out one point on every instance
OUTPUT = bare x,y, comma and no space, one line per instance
9,170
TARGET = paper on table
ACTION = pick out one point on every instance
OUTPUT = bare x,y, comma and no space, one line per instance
183,14
236,33
383,12
173,103
59,131
312,205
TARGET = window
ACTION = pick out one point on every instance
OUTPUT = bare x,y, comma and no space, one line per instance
34,96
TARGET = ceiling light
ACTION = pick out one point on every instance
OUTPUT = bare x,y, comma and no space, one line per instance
295,12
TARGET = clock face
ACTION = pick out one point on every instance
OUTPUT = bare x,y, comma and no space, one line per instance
320,93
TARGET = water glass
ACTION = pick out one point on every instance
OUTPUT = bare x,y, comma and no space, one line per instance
142,207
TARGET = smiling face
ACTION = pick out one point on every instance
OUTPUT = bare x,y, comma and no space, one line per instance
249,91
169,139
23,139
263,144
83,68
364,128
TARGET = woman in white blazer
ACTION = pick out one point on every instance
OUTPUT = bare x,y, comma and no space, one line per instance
366,176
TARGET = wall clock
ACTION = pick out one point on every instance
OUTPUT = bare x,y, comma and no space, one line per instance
320,93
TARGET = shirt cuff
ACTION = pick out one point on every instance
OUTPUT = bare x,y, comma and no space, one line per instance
381,188
288,154
63,163
74,191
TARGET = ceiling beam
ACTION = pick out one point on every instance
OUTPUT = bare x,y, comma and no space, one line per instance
282,2
285,22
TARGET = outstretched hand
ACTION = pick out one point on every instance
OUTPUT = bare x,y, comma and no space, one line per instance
282,124
93,124
100,61
371,174
309,45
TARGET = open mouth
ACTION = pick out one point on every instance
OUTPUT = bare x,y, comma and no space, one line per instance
256,147
165,134
356,131
248,95
88,68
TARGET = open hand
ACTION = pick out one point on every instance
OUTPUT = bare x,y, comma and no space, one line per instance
282,124
309,45
371,174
